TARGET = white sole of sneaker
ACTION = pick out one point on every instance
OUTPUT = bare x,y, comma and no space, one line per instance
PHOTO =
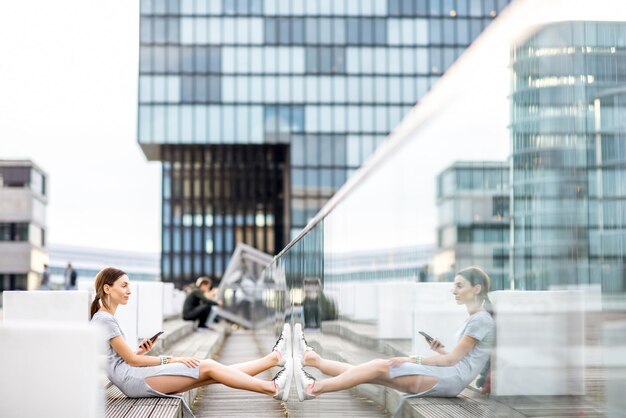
299,388
287,388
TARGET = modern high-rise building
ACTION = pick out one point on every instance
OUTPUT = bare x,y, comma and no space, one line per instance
259,110
568,157
473,220
23,200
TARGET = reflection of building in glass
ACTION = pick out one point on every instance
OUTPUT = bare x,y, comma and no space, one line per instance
409,263
473,220
23,200
87,262
260,110
568,152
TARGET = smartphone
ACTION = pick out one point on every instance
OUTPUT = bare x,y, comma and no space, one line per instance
428,337
155,336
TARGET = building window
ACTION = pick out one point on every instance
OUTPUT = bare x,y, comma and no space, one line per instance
325,60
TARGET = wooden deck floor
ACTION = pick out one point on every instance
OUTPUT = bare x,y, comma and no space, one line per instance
220,401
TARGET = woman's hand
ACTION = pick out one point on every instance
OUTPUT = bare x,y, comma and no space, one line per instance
397,361
145,346
187,361
437,346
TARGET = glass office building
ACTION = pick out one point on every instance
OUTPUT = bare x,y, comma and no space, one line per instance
568,156
261,109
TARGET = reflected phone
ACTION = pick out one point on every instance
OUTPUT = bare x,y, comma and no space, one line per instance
428,337
155,336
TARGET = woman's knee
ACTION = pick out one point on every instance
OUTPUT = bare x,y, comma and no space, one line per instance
206,368
381,366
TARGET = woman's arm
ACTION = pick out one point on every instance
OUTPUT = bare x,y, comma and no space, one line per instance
447,359
137,360
450,359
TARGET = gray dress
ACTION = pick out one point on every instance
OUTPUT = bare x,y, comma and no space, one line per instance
132,380
452,380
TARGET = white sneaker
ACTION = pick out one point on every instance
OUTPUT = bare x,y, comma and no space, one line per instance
304,382
282,381
299,342
283,345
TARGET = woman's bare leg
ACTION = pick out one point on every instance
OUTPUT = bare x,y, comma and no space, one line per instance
329,367
376,371
251,368
210,370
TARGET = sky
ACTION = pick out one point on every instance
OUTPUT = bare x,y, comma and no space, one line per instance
68,102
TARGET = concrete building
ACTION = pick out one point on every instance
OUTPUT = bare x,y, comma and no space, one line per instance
473,220
23,200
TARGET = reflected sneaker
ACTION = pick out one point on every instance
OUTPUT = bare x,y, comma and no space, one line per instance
282,381
283,345
299,342
304,383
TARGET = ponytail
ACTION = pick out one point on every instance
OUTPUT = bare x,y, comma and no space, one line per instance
95,305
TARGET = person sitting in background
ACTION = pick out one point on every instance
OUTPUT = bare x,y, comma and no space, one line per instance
197,305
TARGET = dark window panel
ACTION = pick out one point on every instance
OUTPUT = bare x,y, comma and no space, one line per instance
160,59
311,30
394,7
326,61
271,31
435,31
339,60
186,94
421,7
215,59
256,7
448,31
435,7
476,27
201,58
312,60
284,34
159,7
215,89
297,31
145,59
352,31
186,53
462,32
242,7
462,8
145,26
201,89
407,8
229,7
173,30
173,61
380,31
367,31
173,7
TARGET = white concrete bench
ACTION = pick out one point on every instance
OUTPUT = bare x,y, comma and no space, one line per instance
50,369
62,306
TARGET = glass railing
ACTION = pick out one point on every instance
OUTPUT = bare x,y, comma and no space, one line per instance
377,264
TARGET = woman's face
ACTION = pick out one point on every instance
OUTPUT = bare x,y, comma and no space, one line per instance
120,291
463,291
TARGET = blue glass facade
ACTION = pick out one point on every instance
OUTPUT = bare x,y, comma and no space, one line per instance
324,80
568,155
